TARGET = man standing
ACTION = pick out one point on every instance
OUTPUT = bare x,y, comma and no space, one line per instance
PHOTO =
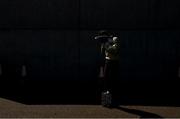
110,47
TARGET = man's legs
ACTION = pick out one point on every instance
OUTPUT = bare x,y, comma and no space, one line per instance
111,75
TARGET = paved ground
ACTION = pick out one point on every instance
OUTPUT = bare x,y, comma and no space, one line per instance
10,108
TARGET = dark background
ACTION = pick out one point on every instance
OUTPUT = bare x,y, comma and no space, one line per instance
54,40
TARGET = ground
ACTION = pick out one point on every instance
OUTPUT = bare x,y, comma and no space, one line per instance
9,108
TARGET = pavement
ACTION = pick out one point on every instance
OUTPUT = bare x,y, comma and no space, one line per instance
9,109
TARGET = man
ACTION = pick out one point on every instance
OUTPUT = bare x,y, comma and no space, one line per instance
109,65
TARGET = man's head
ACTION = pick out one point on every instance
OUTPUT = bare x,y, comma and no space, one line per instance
115,39
104,33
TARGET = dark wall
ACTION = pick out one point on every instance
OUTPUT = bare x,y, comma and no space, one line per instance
47,54
38,13
130,14
54,38
89,14
52,54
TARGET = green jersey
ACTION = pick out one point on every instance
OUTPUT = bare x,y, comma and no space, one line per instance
112,49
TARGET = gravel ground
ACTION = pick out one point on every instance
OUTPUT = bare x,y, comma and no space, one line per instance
10,108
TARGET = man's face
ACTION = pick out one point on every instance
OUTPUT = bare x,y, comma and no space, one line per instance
115,40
